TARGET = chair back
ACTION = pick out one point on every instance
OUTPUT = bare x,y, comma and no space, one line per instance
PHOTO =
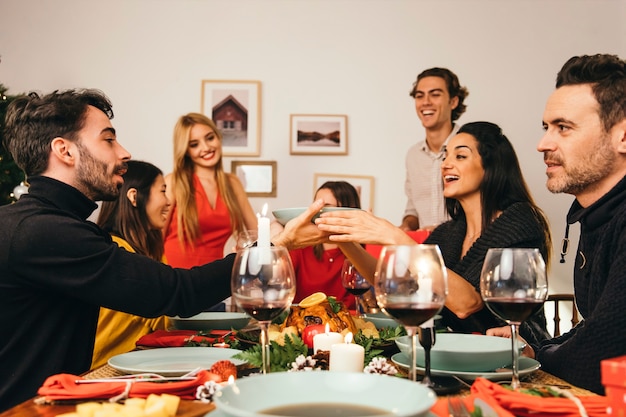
556,300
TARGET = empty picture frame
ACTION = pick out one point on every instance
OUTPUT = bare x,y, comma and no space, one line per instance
364,185
318,134
258,177
235,107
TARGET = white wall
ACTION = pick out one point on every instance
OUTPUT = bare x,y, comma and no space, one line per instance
353,57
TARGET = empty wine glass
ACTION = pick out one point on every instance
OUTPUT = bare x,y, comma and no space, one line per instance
354,283
263,285
411,286
513,285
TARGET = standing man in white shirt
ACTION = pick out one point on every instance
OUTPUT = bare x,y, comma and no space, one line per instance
439,103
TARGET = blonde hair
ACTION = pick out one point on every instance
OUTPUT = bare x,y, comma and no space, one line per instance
182,182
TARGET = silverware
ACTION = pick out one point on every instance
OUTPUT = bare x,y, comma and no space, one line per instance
145,377
457,408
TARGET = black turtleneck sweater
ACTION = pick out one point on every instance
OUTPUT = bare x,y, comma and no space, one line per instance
57,269
600,288
516,227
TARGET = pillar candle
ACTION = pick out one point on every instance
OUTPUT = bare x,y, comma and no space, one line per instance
324,341
263,241
347,356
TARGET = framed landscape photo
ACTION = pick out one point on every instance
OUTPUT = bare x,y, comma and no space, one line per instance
364,185
235,107
258,177
318,134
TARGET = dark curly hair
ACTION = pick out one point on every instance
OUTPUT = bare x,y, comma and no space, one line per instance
454,87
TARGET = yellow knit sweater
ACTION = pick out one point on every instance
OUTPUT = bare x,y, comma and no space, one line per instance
117,332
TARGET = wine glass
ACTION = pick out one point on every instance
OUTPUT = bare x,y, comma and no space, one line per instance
411,286
246,239
513,285
354,283
263,285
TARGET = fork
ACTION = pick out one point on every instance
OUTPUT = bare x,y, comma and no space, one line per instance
457,408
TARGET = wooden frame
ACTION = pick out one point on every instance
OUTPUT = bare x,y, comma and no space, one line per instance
364,185
318,134
235,107
258,177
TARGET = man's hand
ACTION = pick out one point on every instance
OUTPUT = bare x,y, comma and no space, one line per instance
301,231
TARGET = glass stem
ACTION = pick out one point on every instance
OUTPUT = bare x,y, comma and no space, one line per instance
412,333
427,340
265,346
515,384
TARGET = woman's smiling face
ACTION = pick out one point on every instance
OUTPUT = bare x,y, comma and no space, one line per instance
462,170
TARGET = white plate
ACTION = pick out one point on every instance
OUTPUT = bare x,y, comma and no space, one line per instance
171,361
526,366
211,320
255,395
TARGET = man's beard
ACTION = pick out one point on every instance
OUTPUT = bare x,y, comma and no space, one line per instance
594,166
93,178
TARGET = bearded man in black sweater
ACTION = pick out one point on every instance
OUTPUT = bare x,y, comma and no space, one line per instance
584,149
57,268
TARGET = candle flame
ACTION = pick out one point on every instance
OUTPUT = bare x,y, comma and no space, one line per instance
327,328
231,380
264,210
348,338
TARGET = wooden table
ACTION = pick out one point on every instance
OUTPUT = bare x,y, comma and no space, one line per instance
199,409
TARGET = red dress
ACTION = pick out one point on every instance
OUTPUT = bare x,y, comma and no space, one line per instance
313,275
215,230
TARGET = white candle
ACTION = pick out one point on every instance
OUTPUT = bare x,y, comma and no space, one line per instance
324,341
263,241
347,356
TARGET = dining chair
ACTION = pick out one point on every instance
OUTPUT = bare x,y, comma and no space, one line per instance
556,300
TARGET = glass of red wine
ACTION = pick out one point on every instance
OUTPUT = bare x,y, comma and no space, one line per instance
514,286
263,285
354,283
411,286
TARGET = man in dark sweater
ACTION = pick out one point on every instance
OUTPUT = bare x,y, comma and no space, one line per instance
57,268
584,148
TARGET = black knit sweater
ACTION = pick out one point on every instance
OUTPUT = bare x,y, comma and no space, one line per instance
600,287
57,269
516,227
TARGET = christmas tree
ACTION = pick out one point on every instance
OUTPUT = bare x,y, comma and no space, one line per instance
10,174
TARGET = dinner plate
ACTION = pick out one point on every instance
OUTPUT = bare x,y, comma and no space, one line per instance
211,320
174,361
526,366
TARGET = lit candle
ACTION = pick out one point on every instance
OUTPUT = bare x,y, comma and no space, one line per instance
263,242
324,341
347,356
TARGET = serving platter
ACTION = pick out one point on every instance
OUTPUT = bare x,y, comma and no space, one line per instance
526,366
172,361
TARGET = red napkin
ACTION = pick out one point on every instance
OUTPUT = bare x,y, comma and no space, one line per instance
177,338
64,387
441,406
522,404
510,403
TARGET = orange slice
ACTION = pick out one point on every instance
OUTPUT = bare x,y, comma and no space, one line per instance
312,300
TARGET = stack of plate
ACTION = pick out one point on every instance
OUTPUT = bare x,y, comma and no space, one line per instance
467,356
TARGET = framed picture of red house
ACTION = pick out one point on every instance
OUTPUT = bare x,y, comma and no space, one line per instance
235,107
318,134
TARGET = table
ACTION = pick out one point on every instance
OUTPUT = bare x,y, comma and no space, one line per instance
199,409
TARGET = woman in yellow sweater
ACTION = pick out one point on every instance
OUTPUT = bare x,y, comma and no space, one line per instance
135,221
